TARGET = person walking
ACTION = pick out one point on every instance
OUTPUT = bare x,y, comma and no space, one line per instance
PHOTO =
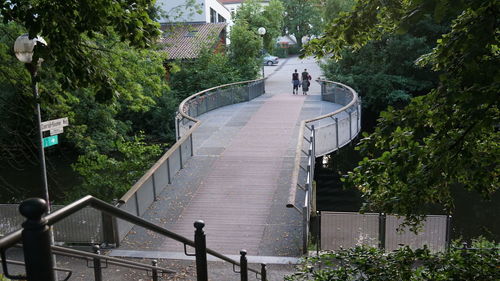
305,82
295,82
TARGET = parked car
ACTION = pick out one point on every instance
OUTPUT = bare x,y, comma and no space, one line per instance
269,60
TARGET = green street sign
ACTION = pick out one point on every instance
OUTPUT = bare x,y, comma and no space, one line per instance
49,141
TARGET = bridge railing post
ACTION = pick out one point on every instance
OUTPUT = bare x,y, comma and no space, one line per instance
243,265
200,251
36,239
155,271
263,272
97,264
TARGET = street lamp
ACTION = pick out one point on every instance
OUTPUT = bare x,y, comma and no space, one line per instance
23,48
262,32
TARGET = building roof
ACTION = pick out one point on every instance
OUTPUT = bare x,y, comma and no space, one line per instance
185,41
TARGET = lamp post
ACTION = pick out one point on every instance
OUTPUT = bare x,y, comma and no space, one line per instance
262,32
23,48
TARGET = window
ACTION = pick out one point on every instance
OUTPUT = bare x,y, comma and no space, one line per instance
221,19
213,16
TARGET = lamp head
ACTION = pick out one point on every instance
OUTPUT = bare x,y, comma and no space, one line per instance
261,31
23,47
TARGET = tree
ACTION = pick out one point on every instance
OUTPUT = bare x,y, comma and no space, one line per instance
245,50
445,139
95,125
69,25
383,71
302,18
270,17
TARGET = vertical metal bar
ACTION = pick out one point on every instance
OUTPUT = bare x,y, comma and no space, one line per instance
200,251
168,171
155,271
154,186
137,204
243,265
448,232
304,229
319,230
337,131
263,272
191,141
381,230
97,264
350,125
177,126
36,240
180,155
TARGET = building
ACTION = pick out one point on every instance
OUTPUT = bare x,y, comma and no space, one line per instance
212,11
187,31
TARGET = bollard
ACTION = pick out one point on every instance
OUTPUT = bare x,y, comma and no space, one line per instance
97,264
263,272
200,251
155,271
36,239
243,265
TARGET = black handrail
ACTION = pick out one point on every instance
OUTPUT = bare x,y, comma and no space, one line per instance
15,237
69,271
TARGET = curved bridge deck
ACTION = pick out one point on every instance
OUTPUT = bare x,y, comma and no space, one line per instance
240,174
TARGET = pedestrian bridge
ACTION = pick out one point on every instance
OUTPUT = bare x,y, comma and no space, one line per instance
242,164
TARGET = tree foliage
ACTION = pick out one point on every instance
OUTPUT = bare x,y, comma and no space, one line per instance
442,140
363,263
383,72
95,125
70,26
270,17
302,18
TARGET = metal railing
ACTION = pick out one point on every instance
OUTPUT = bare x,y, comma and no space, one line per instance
327,133
213,98
35,237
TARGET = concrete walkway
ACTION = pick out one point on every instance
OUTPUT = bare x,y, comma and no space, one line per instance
238,180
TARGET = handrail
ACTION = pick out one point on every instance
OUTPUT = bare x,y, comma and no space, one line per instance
183,103
111,260
15,237
296,169
69,271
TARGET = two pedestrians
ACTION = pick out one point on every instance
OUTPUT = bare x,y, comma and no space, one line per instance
306,78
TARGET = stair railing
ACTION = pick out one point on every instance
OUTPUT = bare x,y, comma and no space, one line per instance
35,237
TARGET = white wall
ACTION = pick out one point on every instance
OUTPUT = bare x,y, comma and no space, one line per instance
168,5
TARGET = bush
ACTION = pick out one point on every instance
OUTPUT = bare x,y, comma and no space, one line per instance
364,263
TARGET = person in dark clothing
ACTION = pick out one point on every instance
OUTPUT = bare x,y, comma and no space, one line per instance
305,82
295,82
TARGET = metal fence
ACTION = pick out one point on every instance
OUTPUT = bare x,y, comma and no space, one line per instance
82,227
320,136
347,229
214,98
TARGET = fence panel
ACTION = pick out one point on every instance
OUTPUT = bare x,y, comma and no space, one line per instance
82,227
432,234
345,230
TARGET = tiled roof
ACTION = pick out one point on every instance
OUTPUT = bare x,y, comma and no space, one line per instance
184,41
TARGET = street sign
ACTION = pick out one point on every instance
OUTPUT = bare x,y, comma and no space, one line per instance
54,124
56,131
49,141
